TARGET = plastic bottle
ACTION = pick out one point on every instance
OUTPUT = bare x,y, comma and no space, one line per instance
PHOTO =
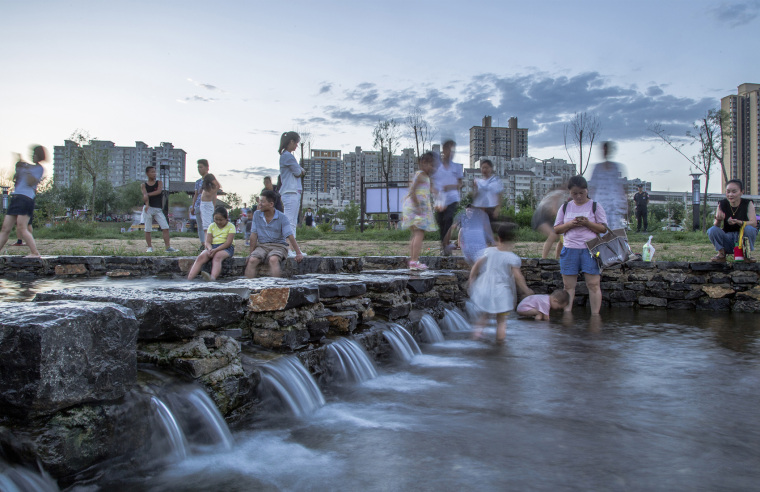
648,251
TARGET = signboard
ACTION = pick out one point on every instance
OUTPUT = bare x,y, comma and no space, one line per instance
375,200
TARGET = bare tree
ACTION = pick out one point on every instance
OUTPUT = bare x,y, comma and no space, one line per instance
387,135
704,134
92,159
420,130
579,133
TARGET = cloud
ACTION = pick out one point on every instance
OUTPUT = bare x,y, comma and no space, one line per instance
253,172
196,98
659,173
265,132
543,103
736,14
204,85
325,88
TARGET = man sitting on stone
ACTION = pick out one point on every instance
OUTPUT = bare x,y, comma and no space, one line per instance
270,234
735,212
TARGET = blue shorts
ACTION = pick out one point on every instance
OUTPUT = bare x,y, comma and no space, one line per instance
573,261
230,250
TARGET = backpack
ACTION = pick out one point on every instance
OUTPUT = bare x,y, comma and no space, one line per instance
593,208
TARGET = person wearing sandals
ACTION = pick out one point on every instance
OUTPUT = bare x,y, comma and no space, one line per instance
735,212
418,210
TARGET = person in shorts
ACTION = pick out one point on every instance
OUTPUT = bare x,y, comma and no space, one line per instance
271,232
151,191
21,206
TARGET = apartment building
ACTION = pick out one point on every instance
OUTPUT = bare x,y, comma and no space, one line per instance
366,164
505,142
741,136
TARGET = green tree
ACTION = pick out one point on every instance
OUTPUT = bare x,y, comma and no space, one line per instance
657,212
91,161
74,196
676,211
180,200
349,215
105,196
233,199
527,200
386,136
129,196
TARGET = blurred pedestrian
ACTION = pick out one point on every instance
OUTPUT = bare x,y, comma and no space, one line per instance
543,219
447,180
418,210
488,190
607,187
21,206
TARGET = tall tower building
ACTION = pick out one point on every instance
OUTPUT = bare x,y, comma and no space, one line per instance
498,141
324,171
741,141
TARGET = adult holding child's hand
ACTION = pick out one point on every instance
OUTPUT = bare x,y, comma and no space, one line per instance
580,220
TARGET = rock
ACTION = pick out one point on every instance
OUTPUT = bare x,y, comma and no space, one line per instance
342,289
162,315
420,284
281,298
118,273
652,302
744,277
709,304
77,269
623,296
747,306
277,339
717,291
709,267
343,323
687,305
55,355
752,294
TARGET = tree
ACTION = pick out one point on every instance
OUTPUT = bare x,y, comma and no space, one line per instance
129,196
74,196
233,199
582,131
92,160
676,211
710,149
527,200
657,212
419,129
105,197
386,135
350,215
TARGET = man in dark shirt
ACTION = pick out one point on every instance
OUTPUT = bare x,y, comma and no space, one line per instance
642,200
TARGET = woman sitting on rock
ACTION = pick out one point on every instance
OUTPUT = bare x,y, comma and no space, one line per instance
735,212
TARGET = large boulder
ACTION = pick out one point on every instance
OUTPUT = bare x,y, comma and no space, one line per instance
163,315
54,355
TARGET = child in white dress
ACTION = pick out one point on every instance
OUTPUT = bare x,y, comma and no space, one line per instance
492,283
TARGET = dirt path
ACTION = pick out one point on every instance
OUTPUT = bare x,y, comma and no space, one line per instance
189,247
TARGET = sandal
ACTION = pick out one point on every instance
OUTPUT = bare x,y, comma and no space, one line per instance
719,258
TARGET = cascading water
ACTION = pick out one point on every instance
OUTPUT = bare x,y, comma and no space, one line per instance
289,379
211,419
19,479
175,436
352,362
402,342
431,332
453,322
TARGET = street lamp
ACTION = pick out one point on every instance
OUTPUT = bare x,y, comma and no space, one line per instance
695,199
5,197
317,194
165,192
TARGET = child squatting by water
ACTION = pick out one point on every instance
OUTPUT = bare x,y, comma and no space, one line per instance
492,283
539,305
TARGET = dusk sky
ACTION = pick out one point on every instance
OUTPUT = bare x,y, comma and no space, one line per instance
222,80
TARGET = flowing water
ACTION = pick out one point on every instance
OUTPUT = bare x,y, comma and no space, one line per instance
634,400
401,341
287,379
351,361
25,290
453,322
431,332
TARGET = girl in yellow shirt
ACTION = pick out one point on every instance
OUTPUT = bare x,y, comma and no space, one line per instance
219,245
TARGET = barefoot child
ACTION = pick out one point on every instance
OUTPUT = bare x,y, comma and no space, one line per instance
538,306
219,237
418,210
492,280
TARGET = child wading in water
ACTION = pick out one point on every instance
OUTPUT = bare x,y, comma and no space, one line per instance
492,282
538,306
418,210
219,237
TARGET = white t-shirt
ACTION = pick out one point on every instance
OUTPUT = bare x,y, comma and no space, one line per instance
488,192
445,176
289,169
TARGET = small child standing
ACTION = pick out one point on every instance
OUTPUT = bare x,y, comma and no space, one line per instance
539,305
492,280
418,210
219,237
151,191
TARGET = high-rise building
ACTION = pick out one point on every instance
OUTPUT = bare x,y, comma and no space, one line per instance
741,141
366,164
124,164
324,171
487,140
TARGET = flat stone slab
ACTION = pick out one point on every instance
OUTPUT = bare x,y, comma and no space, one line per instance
55,355
162,314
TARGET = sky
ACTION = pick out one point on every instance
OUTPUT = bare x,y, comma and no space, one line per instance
223,80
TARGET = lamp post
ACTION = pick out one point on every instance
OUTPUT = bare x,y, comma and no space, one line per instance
695,199
5,198
165,192
317,194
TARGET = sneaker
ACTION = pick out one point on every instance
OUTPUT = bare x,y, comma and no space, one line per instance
207,277
291,254
171,250
719,258
18,243
149,250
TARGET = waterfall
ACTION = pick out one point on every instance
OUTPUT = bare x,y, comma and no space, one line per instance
353,363
430,330
454,322
211,417
402,342
19,479
290,380
174,434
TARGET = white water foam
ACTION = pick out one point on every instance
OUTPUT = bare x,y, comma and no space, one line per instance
403,382
441,361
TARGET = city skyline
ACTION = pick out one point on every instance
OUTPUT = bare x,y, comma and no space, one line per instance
223,82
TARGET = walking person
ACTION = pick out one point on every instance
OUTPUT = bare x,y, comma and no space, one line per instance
21,206
607,187
493,279
447,180
641,199
291,174
152,208
418,210
580,220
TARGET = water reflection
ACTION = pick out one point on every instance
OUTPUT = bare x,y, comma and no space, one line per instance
24,290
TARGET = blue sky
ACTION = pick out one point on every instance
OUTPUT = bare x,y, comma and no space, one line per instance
223,80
